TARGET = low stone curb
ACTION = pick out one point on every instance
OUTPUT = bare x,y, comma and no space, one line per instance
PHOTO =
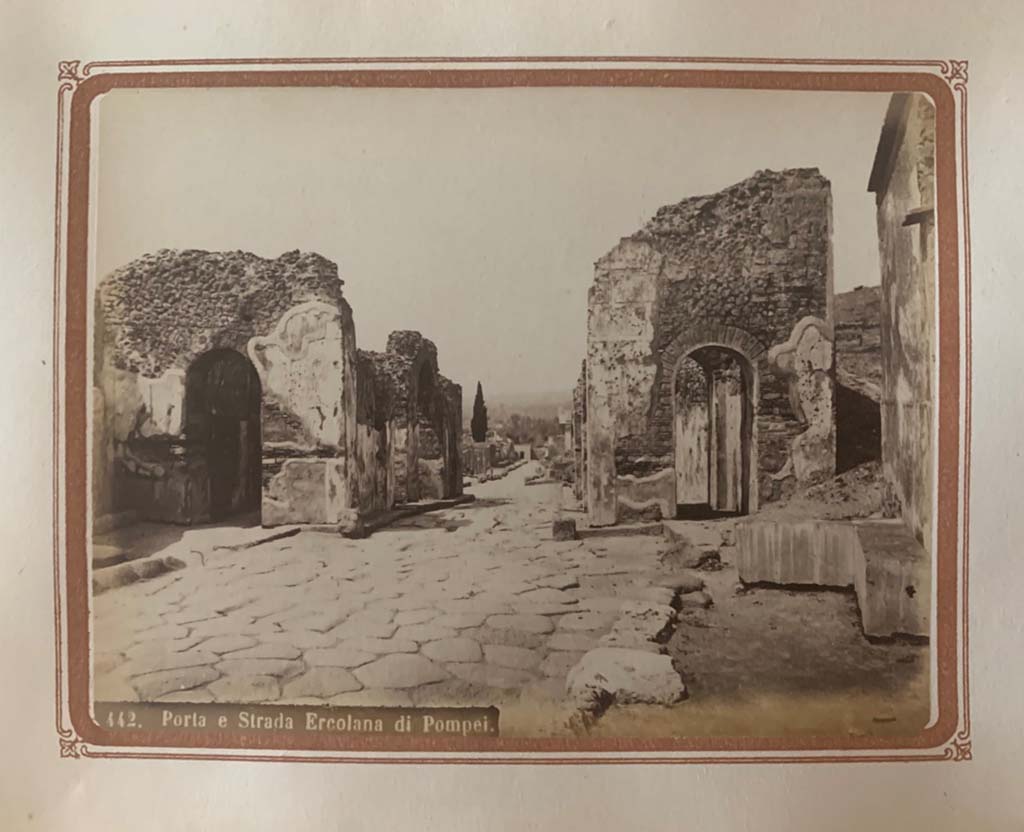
129,573
386,518
628,665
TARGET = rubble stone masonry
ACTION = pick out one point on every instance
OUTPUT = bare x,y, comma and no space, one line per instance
748,271
212,366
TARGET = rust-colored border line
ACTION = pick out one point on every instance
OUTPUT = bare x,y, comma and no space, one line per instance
947,739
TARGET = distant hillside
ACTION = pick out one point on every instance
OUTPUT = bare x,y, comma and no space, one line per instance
534,405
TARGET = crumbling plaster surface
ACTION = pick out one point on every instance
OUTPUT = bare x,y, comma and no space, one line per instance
806,360
905,214
304,367
155,316
746,264
307,370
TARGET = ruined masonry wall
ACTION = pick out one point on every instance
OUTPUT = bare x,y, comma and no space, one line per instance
579,431
908,319
156,315
742,269
341,429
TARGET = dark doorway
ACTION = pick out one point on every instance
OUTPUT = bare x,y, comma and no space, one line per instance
858,429
222,412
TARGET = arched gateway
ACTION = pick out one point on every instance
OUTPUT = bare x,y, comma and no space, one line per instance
732,293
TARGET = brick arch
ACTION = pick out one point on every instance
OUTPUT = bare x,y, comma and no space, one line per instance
712,335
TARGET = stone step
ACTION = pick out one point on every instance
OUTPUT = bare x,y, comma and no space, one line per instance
879,559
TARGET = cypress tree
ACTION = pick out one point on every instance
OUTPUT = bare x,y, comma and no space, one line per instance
478,424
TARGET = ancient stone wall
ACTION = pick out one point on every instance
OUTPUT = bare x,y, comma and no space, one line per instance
424,431
156,316
579,431
373,489
903,182
477,457
183,337
747,269
451,435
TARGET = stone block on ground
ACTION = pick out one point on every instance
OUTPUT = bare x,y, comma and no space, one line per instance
610,675
682,582
559,663
682,554
563,529
696,600
652,621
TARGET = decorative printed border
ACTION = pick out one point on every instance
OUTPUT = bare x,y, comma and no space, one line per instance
944,80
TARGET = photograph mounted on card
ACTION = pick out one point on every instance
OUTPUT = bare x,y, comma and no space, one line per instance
557,409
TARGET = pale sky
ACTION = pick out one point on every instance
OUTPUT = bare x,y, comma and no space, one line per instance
473,216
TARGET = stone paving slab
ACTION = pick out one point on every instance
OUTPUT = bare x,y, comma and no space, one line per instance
486,614
322,682
519,658
400,670
457,649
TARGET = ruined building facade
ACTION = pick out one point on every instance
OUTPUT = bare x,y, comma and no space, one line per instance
224,382
709,379
903,181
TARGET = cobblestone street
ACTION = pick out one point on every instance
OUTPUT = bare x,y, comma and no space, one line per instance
474,605
478,605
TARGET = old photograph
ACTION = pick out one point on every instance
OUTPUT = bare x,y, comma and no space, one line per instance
604,413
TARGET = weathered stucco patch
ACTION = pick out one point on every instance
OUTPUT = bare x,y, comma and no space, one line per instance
642,494
805,360
302,370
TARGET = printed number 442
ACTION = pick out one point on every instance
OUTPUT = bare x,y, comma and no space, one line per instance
122,719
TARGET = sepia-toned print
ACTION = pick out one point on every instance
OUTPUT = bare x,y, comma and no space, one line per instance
460,416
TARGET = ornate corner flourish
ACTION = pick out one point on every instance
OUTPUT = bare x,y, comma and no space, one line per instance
71,746
959,749
70,72
955,72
